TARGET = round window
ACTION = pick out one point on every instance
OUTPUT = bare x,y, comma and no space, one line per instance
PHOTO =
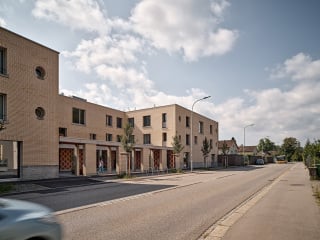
40,113
40,72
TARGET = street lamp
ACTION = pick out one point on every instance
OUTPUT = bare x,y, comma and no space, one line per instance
244,137
191,161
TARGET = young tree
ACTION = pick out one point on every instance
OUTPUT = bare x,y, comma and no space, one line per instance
224,148
177,146
205,149
127,141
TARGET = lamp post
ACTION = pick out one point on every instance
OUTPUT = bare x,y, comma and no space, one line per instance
244,137
191,137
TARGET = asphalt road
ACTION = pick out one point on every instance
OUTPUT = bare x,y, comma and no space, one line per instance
162,207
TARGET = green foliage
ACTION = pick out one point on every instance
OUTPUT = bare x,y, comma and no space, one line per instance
224,148
205,149
311,152
265,145
176,144
291,149
6,187
127,139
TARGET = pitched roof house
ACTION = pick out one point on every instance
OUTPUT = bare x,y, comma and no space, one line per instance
228,146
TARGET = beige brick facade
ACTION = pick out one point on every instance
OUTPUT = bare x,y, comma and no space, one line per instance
73,135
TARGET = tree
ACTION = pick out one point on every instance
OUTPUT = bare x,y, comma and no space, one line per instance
224,148
127,141
205,149
311,152
177,146
265,145
290,147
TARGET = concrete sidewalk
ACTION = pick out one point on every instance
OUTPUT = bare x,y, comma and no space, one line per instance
287,211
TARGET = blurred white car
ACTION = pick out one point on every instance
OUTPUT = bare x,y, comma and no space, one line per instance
260,161
21,220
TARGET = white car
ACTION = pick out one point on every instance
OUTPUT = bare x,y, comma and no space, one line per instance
21,220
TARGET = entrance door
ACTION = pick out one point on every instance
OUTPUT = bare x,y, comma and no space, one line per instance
10,156
137,158
113,160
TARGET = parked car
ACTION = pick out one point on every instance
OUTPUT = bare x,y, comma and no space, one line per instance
21,220
259,161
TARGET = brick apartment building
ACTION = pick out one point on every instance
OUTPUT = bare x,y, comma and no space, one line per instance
43,133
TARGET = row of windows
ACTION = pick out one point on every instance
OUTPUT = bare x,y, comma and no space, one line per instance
146,137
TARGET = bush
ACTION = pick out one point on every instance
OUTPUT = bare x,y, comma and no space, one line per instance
6,187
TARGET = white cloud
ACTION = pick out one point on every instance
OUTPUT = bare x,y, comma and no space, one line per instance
3,22
77,14
186,26
299,67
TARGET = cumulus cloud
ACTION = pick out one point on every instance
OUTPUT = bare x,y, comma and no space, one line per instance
78,14
186,26
299,67
276,112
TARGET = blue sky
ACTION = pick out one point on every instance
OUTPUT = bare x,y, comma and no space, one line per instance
258,60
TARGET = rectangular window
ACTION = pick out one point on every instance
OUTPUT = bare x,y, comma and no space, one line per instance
78,116
118,138
147,121
195,139
187,121
211,129
146,138
108,137
164,120
3,107
164,137
211,142
200,127
187,139
131,138
62,132
93,136
3,60
131,122
109,120
119,122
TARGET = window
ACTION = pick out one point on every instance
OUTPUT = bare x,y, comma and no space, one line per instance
3,60
109,120
195,139
78,116
131,122
131,139
146,138
200,127
119,122
118,138
187,139
108,137
211,142
3,107
179,118
211,129
164,120
147,121
40,113
164,137
187,121
40,72
62,132
93,136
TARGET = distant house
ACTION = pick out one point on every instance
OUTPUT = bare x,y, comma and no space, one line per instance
227,147
248,150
